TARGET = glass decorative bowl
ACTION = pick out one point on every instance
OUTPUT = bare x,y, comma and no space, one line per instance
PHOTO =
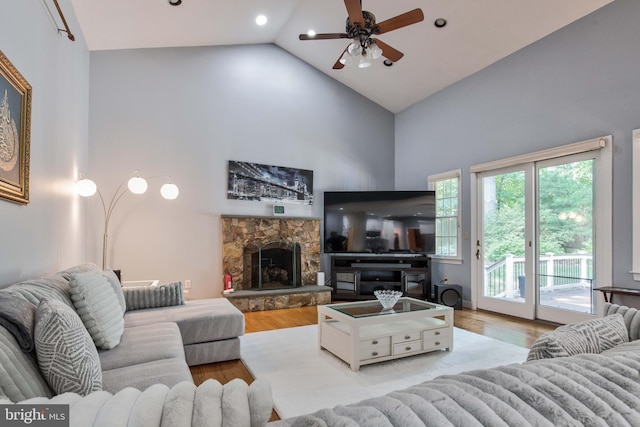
387,298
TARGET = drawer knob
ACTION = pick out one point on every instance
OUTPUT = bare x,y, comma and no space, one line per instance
375,353
437,342
407,348
406,337
437,332
374,342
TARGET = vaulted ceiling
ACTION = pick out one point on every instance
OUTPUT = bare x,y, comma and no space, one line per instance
478,33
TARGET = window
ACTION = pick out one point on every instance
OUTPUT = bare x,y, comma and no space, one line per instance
447,188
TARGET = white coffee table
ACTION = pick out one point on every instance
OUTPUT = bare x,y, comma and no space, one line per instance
361,333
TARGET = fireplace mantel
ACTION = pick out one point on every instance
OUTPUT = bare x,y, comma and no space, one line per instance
238,231
268,217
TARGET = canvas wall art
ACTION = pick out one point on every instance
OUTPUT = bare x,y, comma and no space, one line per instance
267,183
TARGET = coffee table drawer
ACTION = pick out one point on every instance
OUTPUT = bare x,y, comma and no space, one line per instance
407,347
376,347
436,338
409,336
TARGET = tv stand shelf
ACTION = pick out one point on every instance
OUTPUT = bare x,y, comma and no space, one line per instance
357,276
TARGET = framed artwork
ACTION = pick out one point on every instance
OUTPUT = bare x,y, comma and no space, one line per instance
266,183
15,133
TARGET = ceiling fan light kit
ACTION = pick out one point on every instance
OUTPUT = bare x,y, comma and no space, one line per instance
361,26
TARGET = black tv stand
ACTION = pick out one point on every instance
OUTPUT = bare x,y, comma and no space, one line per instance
357,276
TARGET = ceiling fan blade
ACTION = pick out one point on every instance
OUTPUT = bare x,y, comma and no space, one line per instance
388,52
325,36
412,17
339,65
354,9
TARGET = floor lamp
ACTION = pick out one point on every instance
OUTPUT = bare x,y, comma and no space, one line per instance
135,184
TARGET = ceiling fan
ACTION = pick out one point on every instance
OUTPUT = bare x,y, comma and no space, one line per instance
361,27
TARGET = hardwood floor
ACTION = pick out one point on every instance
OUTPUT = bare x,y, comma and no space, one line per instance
505,328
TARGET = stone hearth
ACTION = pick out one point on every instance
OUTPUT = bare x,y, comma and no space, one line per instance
273,299
240,232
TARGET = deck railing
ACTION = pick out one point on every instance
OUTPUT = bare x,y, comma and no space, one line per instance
506,277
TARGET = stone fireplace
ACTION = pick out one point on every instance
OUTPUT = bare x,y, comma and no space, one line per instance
263,253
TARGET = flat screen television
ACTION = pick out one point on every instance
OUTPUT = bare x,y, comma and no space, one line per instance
379,222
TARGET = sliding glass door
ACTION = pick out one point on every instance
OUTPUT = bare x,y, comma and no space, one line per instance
536,232
565,238
503,247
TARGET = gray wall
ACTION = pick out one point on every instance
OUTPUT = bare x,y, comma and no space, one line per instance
49,233
578,83
188,111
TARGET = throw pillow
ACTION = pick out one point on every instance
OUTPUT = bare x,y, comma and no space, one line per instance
590,336
98,307
154,296
67,357
117,288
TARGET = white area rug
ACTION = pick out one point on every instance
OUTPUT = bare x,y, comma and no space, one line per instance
304,378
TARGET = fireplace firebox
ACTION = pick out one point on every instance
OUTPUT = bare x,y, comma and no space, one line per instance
273,265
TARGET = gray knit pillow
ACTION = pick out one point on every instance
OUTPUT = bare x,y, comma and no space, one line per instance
589,336
67,357
98,307
154,296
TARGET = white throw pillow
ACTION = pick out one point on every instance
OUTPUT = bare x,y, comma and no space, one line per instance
98,307
67,357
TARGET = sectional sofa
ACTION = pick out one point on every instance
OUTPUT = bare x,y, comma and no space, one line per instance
585,374
78,333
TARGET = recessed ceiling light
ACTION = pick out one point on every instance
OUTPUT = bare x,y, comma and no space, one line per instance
388,62
440,22
311,33
261,20
175,2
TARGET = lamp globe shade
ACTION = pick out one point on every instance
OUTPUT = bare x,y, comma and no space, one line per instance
137,185
86,188
169,191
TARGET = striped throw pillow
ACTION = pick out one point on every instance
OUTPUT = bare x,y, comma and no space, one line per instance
165,295
67,356
590,336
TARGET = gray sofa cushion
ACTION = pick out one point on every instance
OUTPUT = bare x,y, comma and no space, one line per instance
590,336
20,376
17,316
143,344
166,295
212,351
143,375
199,320
98,307
67,356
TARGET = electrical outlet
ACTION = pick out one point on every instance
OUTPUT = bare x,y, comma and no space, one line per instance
187,284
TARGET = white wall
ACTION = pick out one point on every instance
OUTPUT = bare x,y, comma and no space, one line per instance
578,83
47,234
188,111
